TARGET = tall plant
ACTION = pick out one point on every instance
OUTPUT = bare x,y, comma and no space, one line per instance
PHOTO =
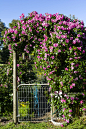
59,44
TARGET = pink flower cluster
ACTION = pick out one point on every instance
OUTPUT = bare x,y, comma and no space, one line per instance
22,16
63,100
71,86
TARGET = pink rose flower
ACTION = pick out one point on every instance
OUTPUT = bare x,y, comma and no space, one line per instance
72,98
63,116
55,44
76,78
48,78
40,66
70,48
61,83
72,67
73,84
66,69
48,66
51,96
71,38
70,110
59,50
52,57
64,109
79,48
81,102
84,109
75,57
78,35
83,94
51,72
83,51
70,58
67,40
62,125
77,65
67,121
51,48
15,31
15,44
50,89
75,71
63,100
17,65
74,41
76,98
38,56
70,115
44,68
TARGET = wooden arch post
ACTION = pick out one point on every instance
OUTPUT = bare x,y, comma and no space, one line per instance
15,87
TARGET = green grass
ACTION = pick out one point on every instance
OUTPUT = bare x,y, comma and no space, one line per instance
78,123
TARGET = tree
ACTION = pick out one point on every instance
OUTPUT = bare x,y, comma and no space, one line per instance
13,23
4,52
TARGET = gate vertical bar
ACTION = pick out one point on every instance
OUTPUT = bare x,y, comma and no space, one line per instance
14,87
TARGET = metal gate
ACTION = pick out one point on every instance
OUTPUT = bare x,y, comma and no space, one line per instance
32,102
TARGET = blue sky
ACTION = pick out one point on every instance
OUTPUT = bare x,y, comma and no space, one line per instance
12,9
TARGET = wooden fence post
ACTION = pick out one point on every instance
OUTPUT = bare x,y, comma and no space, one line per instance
14,87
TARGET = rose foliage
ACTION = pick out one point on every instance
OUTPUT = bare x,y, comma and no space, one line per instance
59,46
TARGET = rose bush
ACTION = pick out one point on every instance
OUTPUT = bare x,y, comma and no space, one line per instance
59,46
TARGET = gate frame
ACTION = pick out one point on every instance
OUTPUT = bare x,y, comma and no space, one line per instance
17,116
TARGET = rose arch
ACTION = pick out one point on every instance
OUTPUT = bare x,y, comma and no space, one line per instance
59,46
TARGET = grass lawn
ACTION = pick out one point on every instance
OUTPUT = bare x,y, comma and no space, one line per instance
78,123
